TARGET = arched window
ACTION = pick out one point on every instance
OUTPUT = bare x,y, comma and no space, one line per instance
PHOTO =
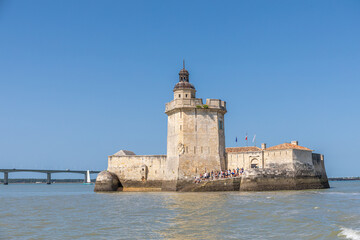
255,163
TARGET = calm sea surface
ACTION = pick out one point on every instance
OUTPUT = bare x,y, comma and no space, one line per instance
74,211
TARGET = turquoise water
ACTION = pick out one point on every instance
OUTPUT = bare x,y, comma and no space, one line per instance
74,211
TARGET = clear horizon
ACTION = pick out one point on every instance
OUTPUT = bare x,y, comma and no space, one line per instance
81,80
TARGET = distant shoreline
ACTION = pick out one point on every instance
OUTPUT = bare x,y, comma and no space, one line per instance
344,178
42,180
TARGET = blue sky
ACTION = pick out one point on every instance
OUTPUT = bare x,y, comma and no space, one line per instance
80,80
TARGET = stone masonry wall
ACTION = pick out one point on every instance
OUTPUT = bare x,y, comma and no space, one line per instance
137,167
202,148
244,159
282,159
319,166
279,158
196,140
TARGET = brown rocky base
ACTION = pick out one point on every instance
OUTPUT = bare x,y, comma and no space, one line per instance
229,184
268,180
282,183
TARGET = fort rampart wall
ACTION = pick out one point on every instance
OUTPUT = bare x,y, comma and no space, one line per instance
137,167
282,159
286,169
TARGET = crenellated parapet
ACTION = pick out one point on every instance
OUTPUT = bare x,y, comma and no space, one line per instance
192,103
182,103
216,104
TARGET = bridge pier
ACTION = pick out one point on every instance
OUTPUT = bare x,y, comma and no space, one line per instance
6,178
85,178
48,180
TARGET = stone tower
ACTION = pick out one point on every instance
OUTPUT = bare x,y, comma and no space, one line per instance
195,138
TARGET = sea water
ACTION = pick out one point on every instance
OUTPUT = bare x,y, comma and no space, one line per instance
74,211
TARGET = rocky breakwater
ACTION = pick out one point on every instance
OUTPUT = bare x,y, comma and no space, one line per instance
107,182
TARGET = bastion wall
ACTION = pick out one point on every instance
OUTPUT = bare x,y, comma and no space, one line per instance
138,172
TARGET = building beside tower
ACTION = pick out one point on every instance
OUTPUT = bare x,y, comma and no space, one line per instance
196,144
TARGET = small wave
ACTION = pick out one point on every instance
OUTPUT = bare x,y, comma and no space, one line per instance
341,193
349,233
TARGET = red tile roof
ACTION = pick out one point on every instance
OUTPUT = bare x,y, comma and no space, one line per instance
288,146
243,149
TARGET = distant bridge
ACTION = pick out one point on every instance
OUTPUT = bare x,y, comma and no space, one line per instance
48,172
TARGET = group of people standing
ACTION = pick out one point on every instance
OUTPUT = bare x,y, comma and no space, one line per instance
219,174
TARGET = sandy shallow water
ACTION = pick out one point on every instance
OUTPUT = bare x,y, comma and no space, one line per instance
74,211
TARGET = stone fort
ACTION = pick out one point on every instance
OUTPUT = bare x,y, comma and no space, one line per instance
196,144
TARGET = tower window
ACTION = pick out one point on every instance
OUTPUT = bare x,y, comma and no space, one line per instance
179,95
221,125
185,95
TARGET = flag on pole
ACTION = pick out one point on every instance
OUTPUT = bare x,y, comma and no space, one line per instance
254,138
236,139
246,138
